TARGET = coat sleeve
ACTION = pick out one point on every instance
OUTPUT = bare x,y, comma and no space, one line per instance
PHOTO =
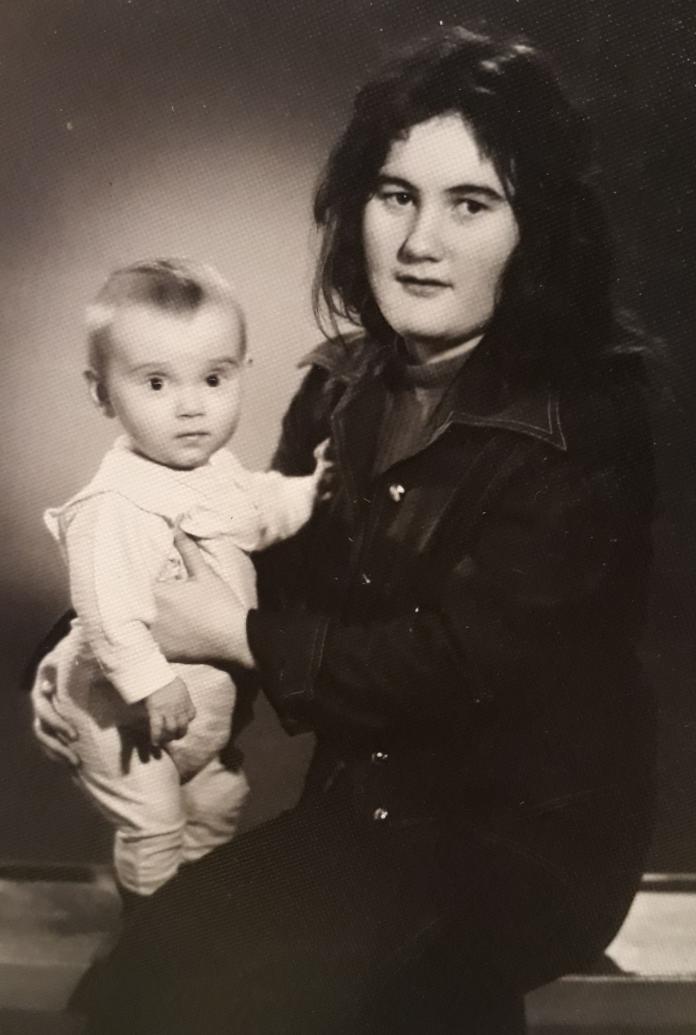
305,425
553,577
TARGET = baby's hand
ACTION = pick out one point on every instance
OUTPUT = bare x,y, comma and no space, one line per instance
325,470
169,710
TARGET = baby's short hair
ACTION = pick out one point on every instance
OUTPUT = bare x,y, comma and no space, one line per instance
172,285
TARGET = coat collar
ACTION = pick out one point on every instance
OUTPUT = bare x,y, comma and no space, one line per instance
477,397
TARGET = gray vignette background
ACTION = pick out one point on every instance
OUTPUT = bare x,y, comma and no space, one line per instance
152,127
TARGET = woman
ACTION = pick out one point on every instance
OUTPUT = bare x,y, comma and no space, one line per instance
459,624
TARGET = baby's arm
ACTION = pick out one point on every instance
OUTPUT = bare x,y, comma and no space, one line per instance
286,503
115,552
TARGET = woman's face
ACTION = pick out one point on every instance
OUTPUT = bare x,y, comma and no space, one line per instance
438,231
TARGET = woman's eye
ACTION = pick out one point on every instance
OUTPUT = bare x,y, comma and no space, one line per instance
213,380
155,383
470,206
396,198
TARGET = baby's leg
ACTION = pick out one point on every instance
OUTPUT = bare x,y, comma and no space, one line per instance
213,801
142,800
144,804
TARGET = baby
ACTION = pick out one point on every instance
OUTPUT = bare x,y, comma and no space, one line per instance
166,352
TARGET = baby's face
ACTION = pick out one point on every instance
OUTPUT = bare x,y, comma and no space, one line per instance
173,380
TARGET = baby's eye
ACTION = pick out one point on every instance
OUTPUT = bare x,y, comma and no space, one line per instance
213,380
156,383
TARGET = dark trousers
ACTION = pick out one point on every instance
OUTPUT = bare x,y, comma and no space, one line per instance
317,924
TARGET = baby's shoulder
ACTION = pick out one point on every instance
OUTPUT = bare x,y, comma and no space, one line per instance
108,512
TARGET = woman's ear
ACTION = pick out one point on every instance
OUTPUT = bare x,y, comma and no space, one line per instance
98,393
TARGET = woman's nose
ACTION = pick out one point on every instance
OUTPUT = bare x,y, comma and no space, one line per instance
423,240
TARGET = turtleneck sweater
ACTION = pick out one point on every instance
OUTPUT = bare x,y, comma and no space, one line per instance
412,402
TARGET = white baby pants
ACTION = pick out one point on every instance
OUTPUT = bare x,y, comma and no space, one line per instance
168,809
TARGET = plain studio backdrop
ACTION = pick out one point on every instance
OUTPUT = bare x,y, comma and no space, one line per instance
135,128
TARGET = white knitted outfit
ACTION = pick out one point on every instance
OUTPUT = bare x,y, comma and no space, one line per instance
117,537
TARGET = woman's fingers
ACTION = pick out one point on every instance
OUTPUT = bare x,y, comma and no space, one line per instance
43,699
325,471
54,748
321,450
192,557
52,730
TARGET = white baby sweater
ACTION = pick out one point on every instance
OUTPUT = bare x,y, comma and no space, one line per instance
117,537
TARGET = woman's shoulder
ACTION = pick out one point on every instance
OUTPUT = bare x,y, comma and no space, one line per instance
342,357
606,413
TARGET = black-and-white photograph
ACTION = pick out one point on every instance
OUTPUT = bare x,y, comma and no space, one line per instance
349,509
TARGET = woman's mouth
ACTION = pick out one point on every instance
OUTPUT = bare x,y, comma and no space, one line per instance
422,287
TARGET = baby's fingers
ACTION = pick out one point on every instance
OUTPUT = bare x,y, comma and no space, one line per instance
174,726
179,727
156,728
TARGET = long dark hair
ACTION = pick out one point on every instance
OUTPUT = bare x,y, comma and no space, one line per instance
554,310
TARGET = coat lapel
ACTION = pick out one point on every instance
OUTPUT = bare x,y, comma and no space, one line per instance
478,397
355,425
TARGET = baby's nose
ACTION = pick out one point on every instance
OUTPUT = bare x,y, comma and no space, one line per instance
189,404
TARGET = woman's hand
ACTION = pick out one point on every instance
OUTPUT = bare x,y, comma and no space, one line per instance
202,619
54,733
325,471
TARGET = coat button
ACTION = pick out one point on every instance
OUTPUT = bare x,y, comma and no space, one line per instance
396,492
379,757
379,815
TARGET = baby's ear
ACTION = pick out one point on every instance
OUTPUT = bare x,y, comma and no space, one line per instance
98,393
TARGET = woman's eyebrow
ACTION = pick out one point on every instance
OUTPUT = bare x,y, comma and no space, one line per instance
387,179
476,188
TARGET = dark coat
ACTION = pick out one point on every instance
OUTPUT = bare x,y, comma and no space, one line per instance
465,647
460,632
